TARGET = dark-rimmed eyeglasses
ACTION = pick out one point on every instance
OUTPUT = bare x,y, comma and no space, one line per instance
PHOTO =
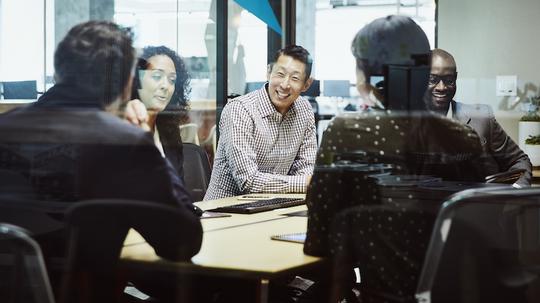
448,80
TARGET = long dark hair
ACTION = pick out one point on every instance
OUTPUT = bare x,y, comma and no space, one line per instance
168,121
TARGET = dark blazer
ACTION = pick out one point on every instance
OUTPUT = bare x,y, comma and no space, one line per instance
501,152
175,155
72,154
69,151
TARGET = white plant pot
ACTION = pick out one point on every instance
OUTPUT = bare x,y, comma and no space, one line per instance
526,129
533,151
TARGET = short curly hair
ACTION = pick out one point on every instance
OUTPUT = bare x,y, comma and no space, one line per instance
388,40
96,57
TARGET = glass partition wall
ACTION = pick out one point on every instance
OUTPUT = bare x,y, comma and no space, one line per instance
31,29
193,29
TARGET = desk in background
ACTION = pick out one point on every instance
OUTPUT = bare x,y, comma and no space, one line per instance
237,246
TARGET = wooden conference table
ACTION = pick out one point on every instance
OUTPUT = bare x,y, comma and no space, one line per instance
237,246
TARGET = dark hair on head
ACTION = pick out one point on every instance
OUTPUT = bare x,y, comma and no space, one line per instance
179,99
97,58
299,53
168,121
388,40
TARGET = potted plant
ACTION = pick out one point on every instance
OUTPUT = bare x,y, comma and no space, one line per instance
532,148
529,124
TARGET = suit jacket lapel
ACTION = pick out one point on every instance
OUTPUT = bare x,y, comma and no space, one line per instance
459,113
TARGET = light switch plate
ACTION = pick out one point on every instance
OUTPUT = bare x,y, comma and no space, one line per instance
506,86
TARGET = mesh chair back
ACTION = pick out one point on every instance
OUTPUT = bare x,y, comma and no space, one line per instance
387,243
485,247
24,277
196,170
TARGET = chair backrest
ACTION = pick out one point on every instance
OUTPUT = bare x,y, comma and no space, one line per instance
22,269
196,170
387,244
485,247
189,133
20,89
97,230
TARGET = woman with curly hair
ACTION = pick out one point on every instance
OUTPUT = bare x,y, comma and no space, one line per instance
162,85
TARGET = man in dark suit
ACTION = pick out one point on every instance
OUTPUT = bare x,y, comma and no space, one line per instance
71,145
501,153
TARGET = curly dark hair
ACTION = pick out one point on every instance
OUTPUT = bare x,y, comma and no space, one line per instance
168,121
179,99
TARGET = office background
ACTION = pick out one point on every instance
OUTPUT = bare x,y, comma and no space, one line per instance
487,38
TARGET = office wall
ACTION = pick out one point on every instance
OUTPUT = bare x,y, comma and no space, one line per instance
490,38
69,13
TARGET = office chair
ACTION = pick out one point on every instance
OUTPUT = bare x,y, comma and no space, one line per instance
196,170
24,277
485,247
20,89
96,233
387,244
211,139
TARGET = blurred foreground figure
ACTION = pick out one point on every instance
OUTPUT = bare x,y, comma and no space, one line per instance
71,145
381,174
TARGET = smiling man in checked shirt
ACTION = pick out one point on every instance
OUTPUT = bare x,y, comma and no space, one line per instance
267,141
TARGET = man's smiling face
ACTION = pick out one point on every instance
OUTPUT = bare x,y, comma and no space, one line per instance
286,81
442,83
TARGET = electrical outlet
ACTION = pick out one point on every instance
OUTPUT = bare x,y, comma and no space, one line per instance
506,86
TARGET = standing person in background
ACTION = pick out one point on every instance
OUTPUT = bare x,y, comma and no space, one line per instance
162,84
501,153
268,141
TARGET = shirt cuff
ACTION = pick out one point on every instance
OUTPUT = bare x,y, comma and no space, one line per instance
297,184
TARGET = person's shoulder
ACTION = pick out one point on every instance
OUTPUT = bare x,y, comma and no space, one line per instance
303,105
474,109
118,128
241,103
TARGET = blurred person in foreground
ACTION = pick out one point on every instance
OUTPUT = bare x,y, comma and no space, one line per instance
71,145
364,206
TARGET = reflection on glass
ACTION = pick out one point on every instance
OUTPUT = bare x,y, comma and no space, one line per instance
247,49
189,28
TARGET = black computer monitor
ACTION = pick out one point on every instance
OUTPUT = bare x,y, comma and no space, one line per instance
336,88
404,86
314,90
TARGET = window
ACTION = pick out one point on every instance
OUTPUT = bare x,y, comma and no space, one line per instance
25,52
327,27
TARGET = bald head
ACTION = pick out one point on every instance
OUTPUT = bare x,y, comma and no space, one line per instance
444,57
442,81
